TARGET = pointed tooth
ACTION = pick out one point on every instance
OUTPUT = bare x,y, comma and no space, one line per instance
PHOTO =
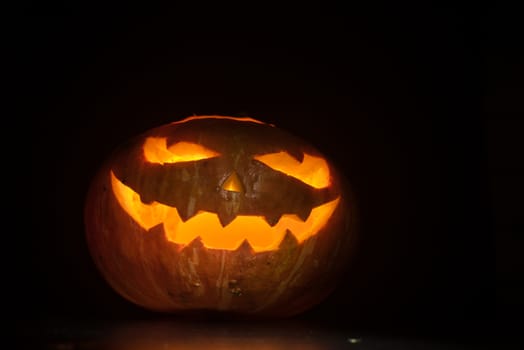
146,199
187,210
157,232
196,243
183,216
245,248
303,213
185,249
289,241
273,219
225,217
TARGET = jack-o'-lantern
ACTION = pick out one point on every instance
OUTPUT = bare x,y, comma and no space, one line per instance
215,213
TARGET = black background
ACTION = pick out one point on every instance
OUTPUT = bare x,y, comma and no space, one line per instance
391,94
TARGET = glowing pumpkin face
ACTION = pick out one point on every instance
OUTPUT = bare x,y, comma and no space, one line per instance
221,192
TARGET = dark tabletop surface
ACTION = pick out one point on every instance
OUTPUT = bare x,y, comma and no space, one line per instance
174,333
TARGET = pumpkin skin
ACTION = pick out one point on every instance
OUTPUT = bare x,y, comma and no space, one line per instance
140,203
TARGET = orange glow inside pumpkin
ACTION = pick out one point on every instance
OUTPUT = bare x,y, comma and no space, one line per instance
206,225
239,119
313,171
156,151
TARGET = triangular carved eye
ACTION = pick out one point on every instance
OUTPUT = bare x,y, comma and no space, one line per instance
313,171
156,151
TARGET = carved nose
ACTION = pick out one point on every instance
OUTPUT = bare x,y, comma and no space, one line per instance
233,183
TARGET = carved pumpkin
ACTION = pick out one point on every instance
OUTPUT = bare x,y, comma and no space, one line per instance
221,214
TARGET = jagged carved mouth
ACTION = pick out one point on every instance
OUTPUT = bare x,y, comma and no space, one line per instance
256,230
